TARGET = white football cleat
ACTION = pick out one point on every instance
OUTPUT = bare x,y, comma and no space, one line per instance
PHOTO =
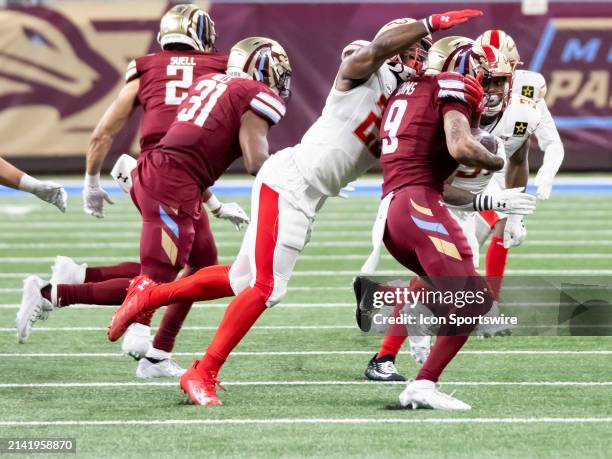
424,394
419,348
166,368
33,307
137,341
66,271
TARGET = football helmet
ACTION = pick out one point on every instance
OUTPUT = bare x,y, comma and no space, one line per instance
189,25
262,59
457,54
411,61
352,47
502,41
498,83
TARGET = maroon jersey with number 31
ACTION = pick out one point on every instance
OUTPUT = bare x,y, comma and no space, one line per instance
165,78
414,148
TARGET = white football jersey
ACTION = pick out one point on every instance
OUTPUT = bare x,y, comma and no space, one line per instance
518,122
529,84
343,143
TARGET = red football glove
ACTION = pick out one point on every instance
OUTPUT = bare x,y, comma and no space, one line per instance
449,19
474,93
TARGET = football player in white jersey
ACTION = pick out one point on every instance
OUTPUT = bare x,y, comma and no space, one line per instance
500,117
289,190
533,86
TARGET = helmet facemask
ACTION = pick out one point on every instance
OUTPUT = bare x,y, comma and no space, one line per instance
498,84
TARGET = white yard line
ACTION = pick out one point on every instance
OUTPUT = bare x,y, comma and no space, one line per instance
299,383
309,421
190,328
296,353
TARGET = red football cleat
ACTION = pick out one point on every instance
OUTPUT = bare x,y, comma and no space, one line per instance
131,310
201,390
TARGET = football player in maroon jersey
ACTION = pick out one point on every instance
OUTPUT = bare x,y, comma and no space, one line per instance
158,83
425,134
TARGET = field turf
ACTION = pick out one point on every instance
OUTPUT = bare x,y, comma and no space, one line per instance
295,385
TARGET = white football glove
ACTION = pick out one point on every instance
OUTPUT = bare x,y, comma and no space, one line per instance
544,182
509,201
514,232
48,191
94,196
53,193
346,191
234,213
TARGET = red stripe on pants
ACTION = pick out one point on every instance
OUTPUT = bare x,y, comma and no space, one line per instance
265,240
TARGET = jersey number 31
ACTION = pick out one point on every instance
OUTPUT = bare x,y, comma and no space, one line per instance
206,94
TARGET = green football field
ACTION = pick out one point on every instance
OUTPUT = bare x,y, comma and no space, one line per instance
295,385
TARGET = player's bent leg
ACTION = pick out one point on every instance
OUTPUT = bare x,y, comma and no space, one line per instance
497,257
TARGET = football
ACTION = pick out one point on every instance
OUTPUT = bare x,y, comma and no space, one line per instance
487,140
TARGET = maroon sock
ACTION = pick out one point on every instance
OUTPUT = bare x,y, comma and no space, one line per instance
442,352
111,292
103,273
170,326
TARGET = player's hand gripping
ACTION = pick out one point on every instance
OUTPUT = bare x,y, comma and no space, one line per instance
94,196
474,93
515,231
513,201
449,19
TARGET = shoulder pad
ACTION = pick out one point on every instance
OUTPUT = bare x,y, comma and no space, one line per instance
521,117
529,84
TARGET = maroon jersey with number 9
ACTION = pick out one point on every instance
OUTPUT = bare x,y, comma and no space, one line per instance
414,148
165,78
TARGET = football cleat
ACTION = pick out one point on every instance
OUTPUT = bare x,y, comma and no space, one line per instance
66,271
137,341
33,307
130,310
419,347
200,390
364,290
424,394
382,369
166,368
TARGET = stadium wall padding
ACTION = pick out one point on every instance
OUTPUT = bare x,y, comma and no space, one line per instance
61,65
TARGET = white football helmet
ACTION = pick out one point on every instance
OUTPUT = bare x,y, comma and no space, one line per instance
502,41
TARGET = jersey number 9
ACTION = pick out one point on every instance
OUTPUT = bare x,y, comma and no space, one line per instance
392,125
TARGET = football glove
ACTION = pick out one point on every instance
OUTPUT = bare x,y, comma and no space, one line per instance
515,231
94,196
449,19
544,182
512,201
474,93
46,190
228,211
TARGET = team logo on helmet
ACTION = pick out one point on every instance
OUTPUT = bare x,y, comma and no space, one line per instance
189,25
262,59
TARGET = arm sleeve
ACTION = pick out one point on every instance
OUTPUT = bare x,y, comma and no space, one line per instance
268,106
451,95
549,140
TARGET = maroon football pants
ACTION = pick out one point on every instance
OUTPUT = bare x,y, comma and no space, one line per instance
422,235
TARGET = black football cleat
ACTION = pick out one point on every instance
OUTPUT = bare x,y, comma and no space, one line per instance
382,369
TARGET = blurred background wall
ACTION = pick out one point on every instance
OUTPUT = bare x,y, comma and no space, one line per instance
62,63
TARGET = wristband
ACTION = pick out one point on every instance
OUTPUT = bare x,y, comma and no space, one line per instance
427,23
482,202
213,204
28,183
92,181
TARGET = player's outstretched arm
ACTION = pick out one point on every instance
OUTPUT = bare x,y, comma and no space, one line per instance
100,142
464,147
48,191
365,61
253,138
549,141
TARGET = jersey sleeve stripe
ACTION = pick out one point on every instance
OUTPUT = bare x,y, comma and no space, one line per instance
444,93
265,111
451,84
131,71
273,102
